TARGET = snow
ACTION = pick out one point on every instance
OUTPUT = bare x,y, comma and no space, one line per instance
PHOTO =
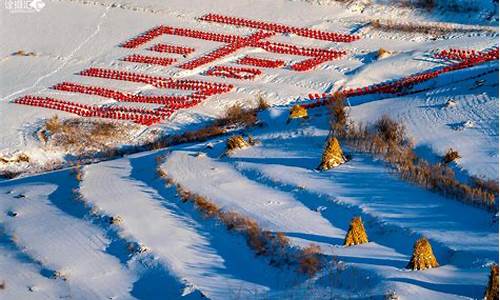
173,239
45,229
63,244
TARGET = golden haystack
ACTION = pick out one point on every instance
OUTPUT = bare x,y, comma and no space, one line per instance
492,289
297,112
423,257
236,142
356,234
382,53
333,155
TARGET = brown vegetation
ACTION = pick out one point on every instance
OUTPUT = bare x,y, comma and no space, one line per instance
83,137
387,139
276,246
356,234
23,53
492,289
423,257
309,260
234,116
19,158
451,155
338,122
415,27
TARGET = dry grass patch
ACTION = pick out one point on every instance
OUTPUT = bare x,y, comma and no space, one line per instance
83,137
425,28
387,139
309,260
450,156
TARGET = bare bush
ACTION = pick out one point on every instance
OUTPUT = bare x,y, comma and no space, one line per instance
262,104
338,122
309,260
85,138
425,28
388,140
450,156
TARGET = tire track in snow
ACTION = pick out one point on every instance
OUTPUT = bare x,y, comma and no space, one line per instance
172,239
64,244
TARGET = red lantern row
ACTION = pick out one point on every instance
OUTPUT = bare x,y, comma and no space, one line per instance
261,62
397,86
460,54
174,102
280,28
137,115
157,81
234,72
226,50
164,48
162,61
197,34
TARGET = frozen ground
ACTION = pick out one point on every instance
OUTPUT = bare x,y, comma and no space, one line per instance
116,231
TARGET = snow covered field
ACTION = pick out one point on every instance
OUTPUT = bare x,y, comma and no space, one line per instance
116,230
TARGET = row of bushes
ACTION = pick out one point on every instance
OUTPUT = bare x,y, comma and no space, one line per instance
429,28
388,140
276,246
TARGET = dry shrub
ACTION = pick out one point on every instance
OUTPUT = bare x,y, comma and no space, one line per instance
23,53
236,115
451,155
338,120
83,137
356,234
53,124
390,131
309,260
423,257
160,172
208,208
388,140
262,104
199,135
492,289
415,27
489,185
19,158
78,172
2,285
